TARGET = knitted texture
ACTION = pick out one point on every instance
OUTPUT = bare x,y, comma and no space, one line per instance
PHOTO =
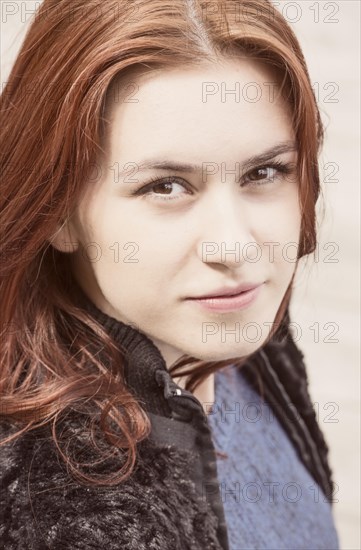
270,499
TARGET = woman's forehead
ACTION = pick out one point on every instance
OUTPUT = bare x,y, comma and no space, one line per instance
200,113
242,69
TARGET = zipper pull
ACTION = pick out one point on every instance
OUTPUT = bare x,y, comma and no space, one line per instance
182,407
164,380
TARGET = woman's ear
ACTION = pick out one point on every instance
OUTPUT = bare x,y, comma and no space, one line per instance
65,239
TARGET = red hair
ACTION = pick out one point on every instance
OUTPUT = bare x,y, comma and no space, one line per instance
52,135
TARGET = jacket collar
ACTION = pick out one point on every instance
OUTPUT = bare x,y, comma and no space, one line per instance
142,359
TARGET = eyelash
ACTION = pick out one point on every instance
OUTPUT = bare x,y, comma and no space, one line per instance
282,168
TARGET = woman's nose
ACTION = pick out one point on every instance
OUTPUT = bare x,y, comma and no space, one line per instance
225,231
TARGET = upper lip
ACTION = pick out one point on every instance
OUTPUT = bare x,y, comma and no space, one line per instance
228,291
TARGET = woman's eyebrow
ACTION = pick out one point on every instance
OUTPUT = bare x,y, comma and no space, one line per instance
168,165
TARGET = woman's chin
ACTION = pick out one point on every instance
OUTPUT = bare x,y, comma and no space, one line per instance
224,352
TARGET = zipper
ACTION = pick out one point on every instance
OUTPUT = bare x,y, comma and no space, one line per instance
180,392
172,390
203,442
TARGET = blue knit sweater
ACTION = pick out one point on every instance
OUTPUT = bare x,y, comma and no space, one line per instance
270,500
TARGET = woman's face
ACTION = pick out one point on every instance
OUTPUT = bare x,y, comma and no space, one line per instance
141,252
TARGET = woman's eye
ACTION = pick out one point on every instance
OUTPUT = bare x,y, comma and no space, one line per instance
164,189
267,174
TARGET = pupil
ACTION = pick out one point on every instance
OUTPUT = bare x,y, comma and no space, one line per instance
165,185
259,173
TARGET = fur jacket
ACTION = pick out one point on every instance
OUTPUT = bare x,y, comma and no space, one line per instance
172,499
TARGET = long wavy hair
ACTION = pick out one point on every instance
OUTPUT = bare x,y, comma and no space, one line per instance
52,135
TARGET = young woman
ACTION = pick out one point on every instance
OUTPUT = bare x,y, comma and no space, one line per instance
160,177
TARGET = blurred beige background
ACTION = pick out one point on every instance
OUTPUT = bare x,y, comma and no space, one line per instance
326,303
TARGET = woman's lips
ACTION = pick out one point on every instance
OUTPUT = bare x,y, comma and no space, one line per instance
230,303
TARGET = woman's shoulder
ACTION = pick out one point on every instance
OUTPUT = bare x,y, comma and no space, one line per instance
44,507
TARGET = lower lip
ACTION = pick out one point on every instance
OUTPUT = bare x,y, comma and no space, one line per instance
230,303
